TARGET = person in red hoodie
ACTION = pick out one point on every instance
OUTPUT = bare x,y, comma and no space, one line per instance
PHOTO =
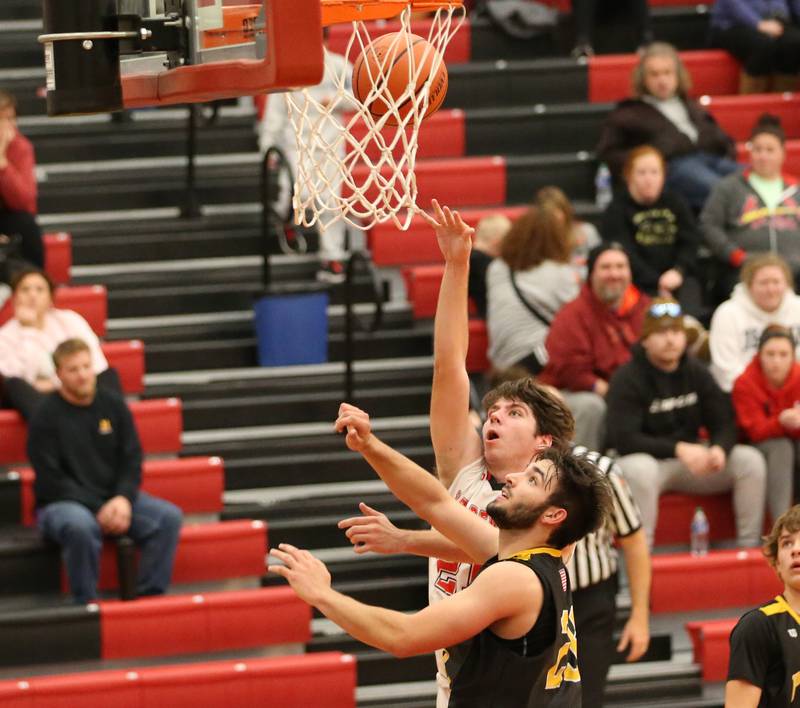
18,225
767,401
592,336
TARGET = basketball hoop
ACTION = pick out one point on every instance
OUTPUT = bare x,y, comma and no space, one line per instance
356,164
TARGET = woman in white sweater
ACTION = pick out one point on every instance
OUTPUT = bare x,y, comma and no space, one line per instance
28,339
527,285
764,296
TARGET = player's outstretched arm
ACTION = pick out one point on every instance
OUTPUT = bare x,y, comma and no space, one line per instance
416,488
455,441
372,532
444,623
740,694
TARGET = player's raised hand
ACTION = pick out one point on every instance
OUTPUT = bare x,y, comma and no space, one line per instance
356,423
453,235
373,532
307,575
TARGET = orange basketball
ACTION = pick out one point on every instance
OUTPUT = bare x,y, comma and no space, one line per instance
387,62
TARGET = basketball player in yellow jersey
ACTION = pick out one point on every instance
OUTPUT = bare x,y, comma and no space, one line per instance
517,613
764,668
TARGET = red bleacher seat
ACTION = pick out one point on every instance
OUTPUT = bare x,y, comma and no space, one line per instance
710,644
738,114
195,484
734,578
713,72
90,301
477,361
461,182
457,52
192,624
213,551
391,247
441,135
58,256
159,422
675,512
322,680
127,357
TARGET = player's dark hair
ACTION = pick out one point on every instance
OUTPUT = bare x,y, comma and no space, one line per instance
583,490
552,415
789,521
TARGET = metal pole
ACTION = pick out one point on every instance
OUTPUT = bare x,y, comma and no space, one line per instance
191,205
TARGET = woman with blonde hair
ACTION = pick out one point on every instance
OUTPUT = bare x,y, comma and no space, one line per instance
527,285
660,113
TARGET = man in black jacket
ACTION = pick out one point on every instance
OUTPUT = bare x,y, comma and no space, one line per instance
85,451
658,403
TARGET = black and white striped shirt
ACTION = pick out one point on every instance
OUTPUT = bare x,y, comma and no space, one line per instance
595,558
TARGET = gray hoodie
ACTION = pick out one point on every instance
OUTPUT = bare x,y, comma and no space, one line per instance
736,222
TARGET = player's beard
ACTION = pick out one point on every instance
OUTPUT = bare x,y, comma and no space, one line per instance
515,518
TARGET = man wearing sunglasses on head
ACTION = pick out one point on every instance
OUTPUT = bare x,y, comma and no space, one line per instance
658,405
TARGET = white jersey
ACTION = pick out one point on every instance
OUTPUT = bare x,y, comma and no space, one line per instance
472,489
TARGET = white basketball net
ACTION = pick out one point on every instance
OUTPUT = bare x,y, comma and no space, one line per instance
351,165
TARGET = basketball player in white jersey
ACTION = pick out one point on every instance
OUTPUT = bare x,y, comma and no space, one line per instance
522,420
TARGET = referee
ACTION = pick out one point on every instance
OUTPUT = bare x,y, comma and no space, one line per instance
593,577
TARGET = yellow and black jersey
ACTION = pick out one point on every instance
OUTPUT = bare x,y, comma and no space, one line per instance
765,652
538,670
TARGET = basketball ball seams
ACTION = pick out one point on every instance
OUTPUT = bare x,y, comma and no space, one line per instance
392,77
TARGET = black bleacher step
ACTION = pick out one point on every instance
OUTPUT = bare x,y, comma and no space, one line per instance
302,407
573,173
10,490
534,128
673,681
233,295
339,506
20,10
514,83
138,139
235,353
378,567
19,49
326,467
49,635
27,563
287,382
320,531
374,667
409,702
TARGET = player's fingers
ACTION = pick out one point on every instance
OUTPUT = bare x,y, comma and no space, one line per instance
284,558
368,510
281,570
347,523
623,641
362,548
431,221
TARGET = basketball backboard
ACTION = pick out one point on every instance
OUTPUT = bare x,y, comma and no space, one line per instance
103,55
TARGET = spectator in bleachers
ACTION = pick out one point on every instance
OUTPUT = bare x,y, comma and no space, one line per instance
660,113
761,35
585,13
758,210
527,285
29,338
766,398
765,296
583,235
657,229
489,235
85,450
591,337
658,404
20,235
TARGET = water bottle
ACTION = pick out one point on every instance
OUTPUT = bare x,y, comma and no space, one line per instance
699,533
602,186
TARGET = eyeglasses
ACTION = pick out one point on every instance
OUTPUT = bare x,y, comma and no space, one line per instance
665,309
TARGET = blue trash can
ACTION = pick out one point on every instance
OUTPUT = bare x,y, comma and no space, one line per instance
292,325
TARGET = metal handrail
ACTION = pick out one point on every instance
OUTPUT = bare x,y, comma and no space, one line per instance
351,318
